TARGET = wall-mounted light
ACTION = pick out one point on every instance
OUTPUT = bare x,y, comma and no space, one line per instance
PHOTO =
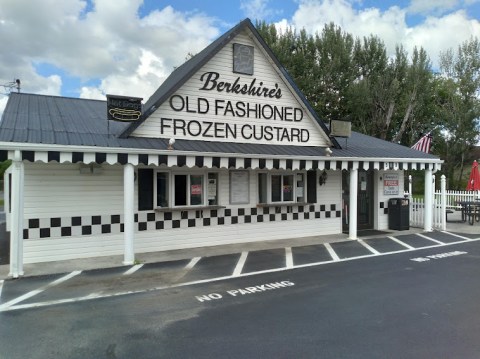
171,142
322,179
92,168
328,151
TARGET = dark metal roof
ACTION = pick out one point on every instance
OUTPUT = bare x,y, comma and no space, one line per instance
40,119
360,145
178,77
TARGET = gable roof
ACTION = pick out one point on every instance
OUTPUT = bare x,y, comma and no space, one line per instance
184,72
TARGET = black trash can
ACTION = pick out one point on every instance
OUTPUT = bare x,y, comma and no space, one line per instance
399,214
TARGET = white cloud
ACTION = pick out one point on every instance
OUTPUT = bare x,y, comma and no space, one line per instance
131,55
256,9
437,34
3,103
141,82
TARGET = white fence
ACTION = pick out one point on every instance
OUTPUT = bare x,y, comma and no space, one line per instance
417,206
417,209
453,197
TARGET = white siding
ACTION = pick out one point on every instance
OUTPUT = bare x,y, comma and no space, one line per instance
54,190
379,215
328,194
60,191
222,63
56,249
331,193
204,236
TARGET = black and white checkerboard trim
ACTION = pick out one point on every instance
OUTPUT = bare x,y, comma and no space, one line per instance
38,228
238,162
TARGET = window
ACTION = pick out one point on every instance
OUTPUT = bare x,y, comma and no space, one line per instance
164,189
282,188
262,188
279,187
212,191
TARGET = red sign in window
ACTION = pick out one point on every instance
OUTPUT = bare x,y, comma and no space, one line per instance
196,189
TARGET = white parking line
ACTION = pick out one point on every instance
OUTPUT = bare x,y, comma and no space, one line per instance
288,257
370,248
187,268
237,273
39,290
430,239
457,235
133,269
241,262
331,252
192,263
1,286
401,243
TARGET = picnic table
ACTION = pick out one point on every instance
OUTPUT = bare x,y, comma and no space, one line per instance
470,211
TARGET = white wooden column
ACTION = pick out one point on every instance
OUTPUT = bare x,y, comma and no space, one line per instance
352,226
428,212
16,230
128,213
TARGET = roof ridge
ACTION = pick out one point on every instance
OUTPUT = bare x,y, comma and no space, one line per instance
55,96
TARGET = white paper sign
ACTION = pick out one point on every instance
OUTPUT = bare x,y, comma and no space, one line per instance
390,184
239,187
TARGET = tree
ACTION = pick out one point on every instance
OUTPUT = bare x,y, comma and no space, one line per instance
334,72
460,105
397,99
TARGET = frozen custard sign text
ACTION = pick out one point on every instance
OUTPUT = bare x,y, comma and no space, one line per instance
273,118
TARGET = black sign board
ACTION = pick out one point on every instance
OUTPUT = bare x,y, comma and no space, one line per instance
124,108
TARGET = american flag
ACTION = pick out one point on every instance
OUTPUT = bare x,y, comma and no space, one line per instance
424,143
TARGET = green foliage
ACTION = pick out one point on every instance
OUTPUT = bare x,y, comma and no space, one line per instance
397,99
460,108
3,167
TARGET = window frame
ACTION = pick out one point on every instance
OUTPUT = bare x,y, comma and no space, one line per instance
171,188
269,174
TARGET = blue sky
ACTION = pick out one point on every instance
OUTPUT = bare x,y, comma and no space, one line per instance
85,48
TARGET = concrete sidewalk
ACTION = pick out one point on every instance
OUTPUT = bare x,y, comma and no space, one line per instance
454,225
164,256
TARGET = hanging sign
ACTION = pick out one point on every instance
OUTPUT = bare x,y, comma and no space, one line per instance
123,108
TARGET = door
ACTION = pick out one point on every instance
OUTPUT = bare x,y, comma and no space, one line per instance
364,200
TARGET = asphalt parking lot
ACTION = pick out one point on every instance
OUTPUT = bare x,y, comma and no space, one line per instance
77,285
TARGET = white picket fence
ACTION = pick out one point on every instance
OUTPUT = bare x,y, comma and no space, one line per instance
417,206
453,197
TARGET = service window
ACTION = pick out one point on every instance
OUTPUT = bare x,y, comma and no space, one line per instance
165,189
196,190
162,189
212,189
281,188
180,190
262,188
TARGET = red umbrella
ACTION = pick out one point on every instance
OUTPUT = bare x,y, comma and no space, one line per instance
474,181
